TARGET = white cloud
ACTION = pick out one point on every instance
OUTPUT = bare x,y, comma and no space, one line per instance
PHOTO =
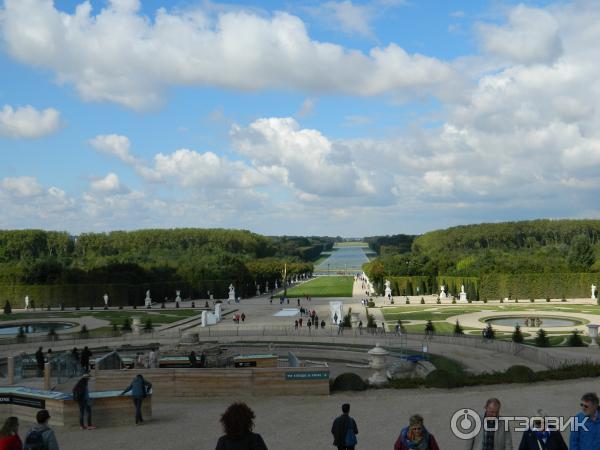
531,36
121,56
114,145
21,186
350,18
108,184
28,122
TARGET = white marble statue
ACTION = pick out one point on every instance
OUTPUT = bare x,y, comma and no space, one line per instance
177,296
593,292
105,298
388,289
257,290
462,288
443,291
231,293
276,287
463,294
148,299
27,302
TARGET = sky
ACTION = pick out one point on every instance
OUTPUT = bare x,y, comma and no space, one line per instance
349,118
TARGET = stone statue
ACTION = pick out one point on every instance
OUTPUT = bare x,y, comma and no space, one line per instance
231,293
105,298
257,290
148,299
177,296
443,291
593,292
27,302
388,289
462,288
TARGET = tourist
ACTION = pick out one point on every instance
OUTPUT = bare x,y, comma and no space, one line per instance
360,327
309,324
238,422
295,325
81,394
300,322
540,436
243,316
40,361
581,439
415,436
192,359
298,302
75,361
41,436
85,359
203,359
139,388
344,430
9,435
496,439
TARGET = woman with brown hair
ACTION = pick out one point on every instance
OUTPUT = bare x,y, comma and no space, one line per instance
9,435
238,422
415,436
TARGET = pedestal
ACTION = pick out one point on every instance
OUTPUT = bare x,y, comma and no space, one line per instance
135,325
593,333
463,297
47,376
378,356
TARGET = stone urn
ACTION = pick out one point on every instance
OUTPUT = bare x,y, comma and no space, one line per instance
593,333
136,325
378,356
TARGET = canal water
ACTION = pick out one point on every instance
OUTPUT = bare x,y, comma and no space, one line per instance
343,260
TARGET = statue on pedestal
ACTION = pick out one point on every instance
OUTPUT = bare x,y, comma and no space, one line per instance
148,299
231,293
443,291
27,302
105,298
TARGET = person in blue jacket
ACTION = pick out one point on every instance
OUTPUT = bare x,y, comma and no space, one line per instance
139,388
586,436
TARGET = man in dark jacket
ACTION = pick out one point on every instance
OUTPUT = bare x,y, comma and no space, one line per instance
85,359
139,388
40,361
41,429
340,428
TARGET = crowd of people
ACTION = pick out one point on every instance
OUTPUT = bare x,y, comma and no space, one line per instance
238,425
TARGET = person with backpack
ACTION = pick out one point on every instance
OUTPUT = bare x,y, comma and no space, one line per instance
344,430
41,436
9,435
86,353
40,361
139,388
81,394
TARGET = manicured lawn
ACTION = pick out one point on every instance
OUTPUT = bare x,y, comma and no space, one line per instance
323,287
114,316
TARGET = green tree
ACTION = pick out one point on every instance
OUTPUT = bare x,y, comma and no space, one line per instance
541,338
517,335
575,339
458,329
581,253
7,308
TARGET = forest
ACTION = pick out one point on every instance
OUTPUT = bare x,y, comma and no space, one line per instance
57,268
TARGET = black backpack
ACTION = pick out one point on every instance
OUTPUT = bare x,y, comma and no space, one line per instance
35,441
78,392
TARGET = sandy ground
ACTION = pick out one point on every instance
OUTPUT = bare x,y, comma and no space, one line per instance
288,423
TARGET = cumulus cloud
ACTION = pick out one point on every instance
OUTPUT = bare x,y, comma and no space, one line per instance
21,186
531,36
348,17
114,145
108,184
121,56
27,122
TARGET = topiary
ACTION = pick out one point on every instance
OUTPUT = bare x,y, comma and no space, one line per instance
148,326
52,333
21,336
440,378
454,301
563,299
84,332
7,308
347,319
407,301
458,330
485,300
429,327
489,332
501,300
126,324
422,301
371,304
547,299
517,335
532,299
520,374
541,339
349,382
575,340
438,301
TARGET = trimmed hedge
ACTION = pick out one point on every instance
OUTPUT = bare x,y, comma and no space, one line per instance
440,378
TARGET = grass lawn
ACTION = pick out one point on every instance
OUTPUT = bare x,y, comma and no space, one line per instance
323,287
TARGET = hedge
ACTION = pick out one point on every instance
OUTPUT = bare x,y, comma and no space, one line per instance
538,285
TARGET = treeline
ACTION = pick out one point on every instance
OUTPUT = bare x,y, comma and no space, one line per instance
397,243
126,264
539,258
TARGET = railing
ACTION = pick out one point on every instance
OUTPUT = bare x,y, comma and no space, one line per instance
314,334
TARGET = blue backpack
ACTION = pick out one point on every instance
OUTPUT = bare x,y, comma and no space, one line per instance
350,439
34,441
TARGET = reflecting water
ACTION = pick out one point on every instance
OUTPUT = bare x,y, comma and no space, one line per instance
41,327
530,321
349,259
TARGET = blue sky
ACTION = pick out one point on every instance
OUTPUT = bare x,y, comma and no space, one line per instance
339,118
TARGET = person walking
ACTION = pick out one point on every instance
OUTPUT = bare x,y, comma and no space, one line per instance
192,358
75,363
40,361
85,359
415,436
344,430
139,388
152,359
81,394
494,439
41,436
580,438
9,435
540,436
238,422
